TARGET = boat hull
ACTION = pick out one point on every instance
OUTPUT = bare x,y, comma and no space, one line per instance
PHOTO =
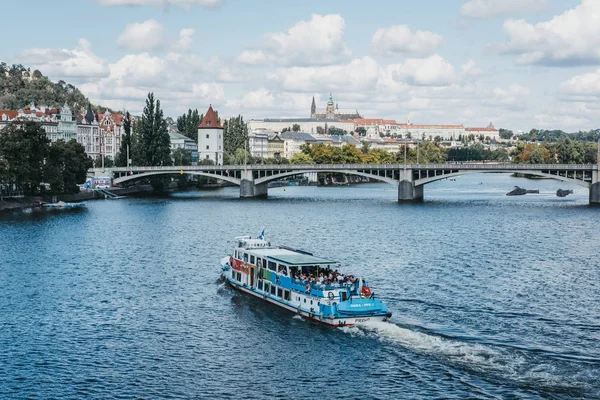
335,321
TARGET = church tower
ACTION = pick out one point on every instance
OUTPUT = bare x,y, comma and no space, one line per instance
330,111
313,108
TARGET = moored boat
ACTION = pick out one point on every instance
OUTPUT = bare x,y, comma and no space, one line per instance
62,204
302,283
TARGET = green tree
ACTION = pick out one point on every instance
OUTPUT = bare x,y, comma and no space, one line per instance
296,128
301,158
235,135
126,147
335,131
187,124
506,133
23,147
181,157
66,166
153,135
361,131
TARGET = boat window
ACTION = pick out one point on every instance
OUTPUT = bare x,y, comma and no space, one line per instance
272,266
251,259
286,295
259,284
273,289
280,292
246,257
305,300
258,263
267,286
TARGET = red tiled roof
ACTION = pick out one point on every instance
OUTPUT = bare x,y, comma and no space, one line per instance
210,120
118,118
11,114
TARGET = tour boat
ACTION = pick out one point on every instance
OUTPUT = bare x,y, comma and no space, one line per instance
300,282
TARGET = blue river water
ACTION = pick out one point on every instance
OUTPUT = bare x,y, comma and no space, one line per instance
493,296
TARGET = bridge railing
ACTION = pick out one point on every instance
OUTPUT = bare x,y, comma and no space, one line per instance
317,167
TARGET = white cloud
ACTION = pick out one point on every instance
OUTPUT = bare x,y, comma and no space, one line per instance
470,69
572,38
318,41
399,39
185,39
431,71
252,57
496,8
161,3
360,74
584,86
80,62
512,96
144,36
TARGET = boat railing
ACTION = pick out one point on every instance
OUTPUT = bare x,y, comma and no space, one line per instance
322,287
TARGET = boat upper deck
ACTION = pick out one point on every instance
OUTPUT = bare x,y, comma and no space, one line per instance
293,258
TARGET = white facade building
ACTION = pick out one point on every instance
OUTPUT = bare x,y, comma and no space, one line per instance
306,124
179,141
258,143
292,141
210,138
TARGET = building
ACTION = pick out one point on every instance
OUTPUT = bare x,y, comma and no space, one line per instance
179,141
292,141
88,134
258,143
332,111
275,147
489,131
66,124
210,138
309,125
111,131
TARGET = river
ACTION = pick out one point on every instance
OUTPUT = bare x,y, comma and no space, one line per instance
493,296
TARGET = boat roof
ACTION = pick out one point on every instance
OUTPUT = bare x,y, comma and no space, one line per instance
290,257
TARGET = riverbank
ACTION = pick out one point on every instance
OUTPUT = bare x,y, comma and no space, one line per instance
31,202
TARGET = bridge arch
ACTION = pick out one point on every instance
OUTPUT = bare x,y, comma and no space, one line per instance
424,181
127,178
267,179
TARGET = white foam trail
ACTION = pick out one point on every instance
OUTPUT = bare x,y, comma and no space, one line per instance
477,356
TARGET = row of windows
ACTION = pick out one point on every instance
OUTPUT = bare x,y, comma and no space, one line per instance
208,136
208,147
259,262
274,290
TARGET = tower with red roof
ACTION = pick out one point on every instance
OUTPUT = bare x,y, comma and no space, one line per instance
210,138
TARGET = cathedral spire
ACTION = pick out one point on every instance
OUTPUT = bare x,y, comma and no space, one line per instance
313,108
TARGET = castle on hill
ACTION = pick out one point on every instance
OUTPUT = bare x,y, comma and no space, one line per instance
332,111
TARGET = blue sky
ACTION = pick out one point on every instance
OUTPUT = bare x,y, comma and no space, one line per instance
520,63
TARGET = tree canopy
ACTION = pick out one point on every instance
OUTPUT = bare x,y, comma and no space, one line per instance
152,142
28,159
187,124
19,87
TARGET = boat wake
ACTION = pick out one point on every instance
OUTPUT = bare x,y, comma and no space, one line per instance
522,368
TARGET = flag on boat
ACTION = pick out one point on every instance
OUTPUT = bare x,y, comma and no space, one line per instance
262,234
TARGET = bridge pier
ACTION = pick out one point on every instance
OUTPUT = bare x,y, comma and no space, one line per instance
595,188
248,189
408,191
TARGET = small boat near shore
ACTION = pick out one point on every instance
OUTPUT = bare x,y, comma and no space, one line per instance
63,205
297,281
519,191
563,192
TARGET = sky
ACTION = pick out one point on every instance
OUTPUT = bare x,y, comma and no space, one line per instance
520,64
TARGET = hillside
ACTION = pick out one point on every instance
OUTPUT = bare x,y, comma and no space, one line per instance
19,87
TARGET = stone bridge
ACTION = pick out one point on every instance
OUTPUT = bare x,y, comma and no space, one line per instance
409,178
